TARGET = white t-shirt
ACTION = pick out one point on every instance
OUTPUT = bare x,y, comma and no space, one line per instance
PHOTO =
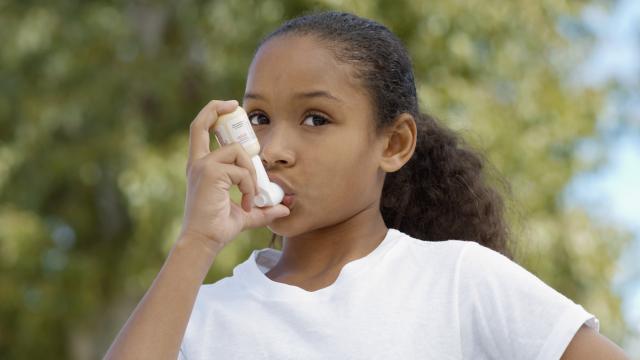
407,299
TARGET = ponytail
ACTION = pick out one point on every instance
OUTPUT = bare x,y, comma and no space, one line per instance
441,193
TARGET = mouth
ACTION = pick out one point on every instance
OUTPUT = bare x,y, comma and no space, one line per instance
289,194
288,200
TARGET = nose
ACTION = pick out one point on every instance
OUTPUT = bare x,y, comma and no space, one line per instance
276,149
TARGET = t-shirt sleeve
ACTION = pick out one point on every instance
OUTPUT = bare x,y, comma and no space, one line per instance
506,312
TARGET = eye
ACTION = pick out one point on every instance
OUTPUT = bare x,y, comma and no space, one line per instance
316,119
257,116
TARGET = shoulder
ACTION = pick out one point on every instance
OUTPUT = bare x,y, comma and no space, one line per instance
453,254
223,288
429,262
220,293
484,277
444,250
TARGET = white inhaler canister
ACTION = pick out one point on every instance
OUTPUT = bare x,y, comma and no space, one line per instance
235,127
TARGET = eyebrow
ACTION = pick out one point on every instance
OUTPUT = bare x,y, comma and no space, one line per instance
305,95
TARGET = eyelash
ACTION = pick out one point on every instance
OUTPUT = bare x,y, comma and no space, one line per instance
311,113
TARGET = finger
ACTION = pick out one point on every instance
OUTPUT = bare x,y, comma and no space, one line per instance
199,143
259,217
240,177
236,154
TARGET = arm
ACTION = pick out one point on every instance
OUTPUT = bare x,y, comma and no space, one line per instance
589,344
156,327
211,220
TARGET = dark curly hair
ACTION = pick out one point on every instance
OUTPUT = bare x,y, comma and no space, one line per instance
441,192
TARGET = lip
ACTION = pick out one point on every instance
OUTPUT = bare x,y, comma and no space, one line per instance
288,201
282,183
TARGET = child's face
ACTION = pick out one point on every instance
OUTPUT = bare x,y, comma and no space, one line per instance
331,166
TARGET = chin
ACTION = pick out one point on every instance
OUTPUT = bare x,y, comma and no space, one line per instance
279,228
285,226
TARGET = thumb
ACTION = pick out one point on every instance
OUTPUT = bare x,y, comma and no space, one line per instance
258,217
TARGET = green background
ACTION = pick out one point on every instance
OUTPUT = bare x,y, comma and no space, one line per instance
96,98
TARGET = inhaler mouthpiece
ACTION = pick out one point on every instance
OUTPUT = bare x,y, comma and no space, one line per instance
270,193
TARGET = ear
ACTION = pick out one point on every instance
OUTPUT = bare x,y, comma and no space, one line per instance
399,143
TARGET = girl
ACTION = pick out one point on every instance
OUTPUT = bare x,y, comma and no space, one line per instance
393,245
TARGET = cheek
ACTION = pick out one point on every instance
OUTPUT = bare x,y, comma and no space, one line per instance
334,190
337,182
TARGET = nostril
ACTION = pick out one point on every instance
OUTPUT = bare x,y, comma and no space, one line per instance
284,160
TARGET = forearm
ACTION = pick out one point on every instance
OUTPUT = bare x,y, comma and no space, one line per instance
156,327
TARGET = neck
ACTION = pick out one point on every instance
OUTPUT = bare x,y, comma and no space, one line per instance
326,250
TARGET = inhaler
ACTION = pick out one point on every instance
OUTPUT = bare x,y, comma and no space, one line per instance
235,127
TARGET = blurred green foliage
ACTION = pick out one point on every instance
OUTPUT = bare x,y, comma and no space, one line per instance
96,98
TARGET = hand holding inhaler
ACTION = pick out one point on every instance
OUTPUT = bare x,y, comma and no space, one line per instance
235,127
210,214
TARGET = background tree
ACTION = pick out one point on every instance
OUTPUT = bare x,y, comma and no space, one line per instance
95,103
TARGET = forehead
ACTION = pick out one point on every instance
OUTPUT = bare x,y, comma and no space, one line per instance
292,62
